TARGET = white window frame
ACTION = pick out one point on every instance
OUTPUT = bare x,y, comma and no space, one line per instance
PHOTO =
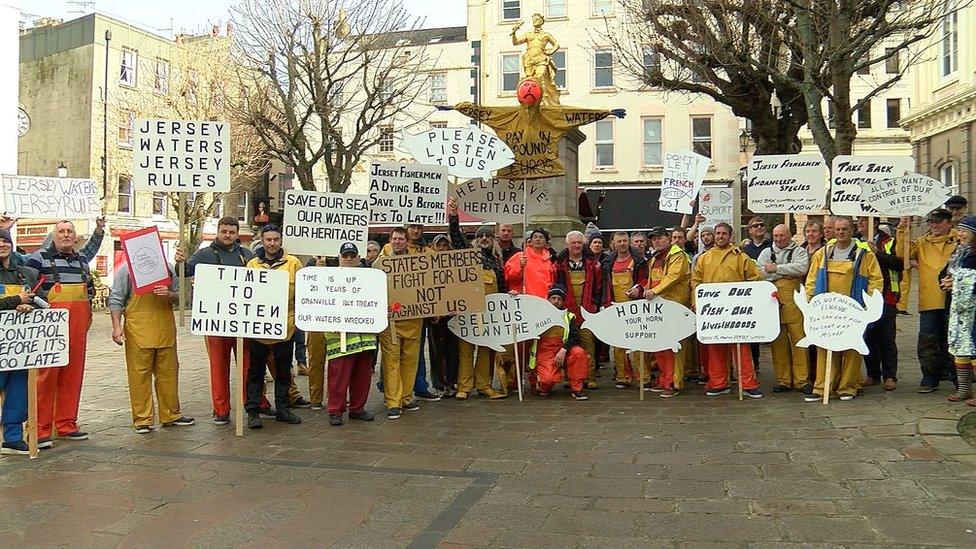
655,56
597,142
701,139
949,52
161,82
601,8
509,5
129,68
385,142
562,69
645,143
860,110
948,174
119,194
218,210
438,93
501,71
556,4
596,68
888,121
164,206
125,130
243,207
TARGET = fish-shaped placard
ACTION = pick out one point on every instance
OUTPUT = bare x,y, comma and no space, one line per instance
836,322
527,314
642,325
468,152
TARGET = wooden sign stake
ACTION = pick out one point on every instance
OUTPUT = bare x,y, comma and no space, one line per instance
640,385
342,342
518,362
241,386
182,264
32,413
738,367
829,377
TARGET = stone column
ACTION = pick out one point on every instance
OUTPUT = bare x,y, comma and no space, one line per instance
563,191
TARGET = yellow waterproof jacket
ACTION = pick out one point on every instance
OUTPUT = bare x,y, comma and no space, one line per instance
728,264
671,278
413,328
840,274
932,254
291,265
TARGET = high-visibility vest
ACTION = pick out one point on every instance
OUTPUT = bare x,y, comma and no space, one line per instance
567,318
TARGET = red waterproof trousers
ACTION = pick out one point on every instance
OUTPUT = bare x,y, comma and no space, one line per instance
59,389
577,364
219,350
718,360
665,366
349,378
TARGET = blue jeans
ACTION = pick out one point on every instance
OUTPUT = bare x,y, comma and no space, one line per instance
420,385
14,386
301,352
933,347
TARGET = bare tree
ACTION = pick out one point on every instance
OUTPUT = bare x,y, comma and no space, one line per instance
327,80
198,82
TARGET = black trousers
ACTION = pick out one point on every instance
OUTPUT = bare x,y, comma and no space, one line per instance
282,353
882,361
443,355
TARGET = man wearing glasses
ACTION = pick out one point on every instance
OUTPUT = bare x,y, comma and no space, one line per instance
753,246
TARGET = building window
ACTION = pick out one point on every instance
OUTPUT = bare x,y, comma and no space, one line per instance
604,144
601,7
653,141
947,174
950,42
831,117
864,115
891,61
438,124
218,210
385,93
559,59
438,87
701,135
555,8
125,130
127,70
894,113
511,10
161,85
124,195
242,201
866,68
652,61
510,71
159,203
386,139
603,69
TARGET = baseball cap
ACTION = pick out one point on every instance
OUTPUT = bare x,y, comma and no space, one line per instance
657,231
957,200
440,237
485,229
5,236
557,289
541,231
348,247
939,214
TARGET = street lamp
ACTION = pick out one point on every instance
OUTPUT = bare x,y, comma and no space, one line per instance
62,170
743,141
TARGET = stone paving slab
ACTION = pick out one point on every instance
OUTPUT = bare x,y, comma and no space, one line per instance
885,470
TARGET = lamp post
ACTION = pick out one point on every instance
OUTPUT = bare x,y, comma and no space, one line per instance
62,170
743,141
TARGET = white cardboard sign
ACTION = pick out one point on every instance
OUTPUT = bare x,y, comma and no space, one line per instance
38,339
500,200
28,197
181,155
717,206
341,299
913,194
642,325
405,193
318,223
240,302
784,183
836,322
684,172
849,172
737,312
467,152
529,315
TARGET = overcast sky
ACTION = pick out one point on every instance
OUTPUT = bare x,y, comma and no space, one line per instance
197,16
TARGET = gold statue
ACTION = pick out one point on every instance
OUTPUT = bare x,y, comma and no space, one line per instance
537,62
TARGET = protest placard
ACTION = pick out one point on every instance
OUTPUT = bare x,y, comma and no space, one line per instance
786,183
38,339
717,205
642,325
401,193
849,172
684,172
466,152
181,155
836,322
341,299
528,315
913,194
240,302
143,251
318,223
29,197
438,284
500,200
737,312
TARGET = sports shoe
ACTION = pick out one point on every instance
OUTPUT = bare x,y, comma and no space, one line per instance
450,393
461,395
926,389
362,415
654,388
411,406
580,395
807,389
77,435
288,417
621,385
717,392
181,421
301,402
268,413
316,406
254,421
44,443
846,398
143,429
393,413
335,420
668,393
221,420
543,393
15,448
302,369
428,396
752,393
781,389
812,398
